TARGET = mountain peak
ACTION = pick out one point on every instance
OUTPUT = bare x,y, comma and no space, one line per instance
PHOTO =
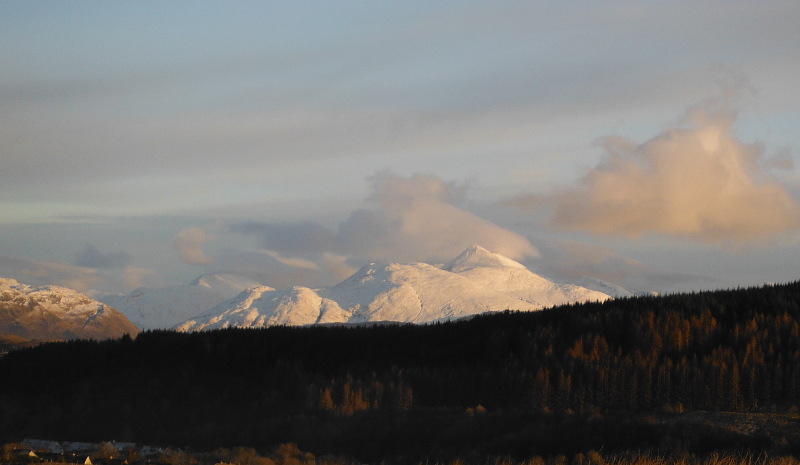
478,257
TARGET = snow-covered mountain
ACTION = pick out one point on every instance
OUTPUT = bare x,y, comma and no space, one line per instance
57,313
477,281
152,308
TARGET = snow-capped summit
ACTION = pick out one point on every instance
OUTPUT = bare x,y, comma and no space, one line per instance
57,313
477,281
478,257
504,275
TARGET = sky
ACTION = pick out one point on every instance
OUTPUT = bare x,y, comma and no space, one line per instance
653,145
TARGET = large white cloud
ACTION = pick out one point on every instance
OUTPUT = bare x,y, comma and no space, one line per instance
697,181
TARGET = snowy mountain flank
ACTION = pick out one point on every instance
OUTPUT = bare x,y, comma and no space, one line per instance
57,313
477,281
158,308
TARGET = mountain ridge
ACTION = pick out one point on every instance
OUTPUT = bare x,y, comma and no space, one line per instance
477,281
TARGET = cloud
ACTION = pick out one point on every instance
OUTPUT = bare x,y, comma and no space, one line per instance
271,268
293,261
93,281
337,266
135,277
299,238
780,160
414,218
417,219
575,259
91,257
189,243
698,181
569,260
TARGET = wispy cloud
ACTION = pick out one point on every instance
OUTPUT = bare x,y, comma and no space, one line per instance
271,268
42,273
89,280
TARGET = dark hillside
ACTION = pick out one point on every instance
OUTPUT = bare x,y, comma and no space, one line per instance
533,382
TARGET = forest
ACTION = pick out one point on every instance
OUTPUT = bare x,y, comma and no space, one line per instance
696,372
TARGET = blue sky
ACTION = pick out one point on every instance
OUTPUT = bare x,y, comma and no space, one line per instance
650,144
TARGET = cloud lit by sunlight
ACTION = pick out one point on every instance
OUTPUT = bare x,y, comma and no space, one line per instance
189,243
698,182
414,218
417,219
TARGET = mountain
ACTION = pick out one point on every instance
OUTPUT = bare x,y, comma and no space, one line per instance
154,308
57,313
477,281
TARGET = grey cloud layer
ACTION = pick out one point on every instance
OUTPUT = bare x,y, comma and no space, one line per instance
570,259
42,273
445,79
91,257
288,107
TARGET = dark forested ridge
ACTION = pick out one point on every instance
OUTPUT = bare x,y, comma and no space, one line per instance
575,377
